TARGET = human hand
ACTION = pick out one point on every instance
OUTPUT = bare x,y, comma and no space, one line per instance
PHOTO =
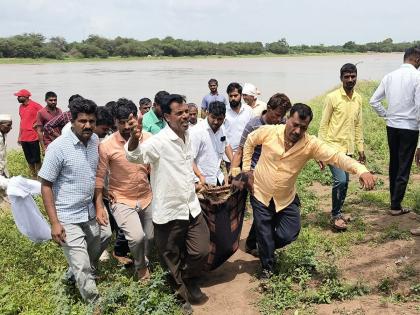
321,165
250,183
367,181
417,157
111,197
58,233
136,125
101,215
362,157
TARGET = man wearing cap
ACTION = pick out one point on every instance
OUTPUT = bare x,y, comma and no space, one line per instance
5,127
249,95
28,137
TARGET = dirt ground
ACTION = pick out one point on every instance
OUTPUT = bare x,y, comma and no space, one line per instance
232,288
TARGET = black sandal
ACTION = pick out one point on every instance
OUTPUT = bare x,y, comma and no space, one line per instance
399,211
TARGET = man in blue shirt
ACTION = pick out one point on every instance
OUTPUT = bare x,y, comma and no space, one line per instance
68,185
213,96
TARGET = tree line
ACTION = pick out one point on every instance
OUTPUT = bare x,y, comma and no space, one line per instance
34,45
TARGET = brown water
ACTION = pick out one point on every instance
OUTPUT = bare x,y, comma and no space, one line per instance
301,78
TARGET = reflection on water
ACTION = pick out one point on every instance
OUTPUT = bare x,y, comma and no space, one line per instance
301,78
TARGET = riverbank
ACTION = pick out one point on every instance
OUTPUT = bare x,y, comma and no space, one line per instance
6,61
373,268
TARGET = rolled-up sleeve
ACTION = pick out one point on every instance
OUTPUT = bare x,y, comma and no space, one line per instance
324,152
254,138
145,153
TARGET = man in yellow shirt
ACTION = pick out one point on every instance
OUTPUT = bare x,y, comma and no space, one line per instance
285,151
341,126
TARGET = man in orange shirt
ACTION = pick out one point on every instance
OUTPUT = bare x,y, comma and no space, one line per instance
130,187
28,137
286,150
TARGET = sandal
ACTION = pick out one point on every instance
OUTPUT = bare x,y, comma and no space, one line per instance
339,226
399,211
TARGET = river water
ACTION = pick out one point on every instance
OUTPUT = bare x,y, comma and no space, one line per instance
301,78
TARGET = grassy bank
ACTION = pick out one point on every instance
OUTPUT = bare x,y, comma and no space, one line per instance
113,59
310,271
314,271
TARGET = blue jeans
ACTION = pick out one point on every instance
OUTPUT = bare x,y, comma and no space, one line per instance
339,189
274,229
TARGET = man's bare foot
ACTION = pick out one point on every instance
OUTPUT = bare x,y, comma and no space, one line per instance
122,260
143,274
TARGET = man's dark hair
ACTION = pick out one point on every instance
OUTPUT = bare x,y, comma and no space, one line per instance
412,52
279,100
74,96
144,101
217,108
82,105
168,100
110,106
192,105
348,68
104,117
124,108
213,81
50,94
303,110
160,96
234,86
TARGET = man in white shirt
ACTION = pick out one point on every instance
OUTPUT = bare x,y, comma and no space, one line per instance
237,116
401,88
208,142
181,233
249,95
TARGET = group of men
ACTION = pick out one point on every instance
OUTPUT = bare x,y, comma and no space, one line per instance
141,179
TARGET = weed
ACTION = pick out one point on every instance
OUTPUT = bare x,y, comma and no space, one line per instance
407,271
393,232
386,285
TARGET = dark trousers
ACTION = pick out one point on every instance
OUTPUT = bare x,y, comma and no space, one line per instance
274,229
183,248
402,145
251,240
121,244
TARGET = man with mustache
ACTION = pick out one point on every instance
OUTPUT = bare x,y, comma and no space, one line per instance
237,116
342,127
180,231
277,107
67,187
286,150
213,96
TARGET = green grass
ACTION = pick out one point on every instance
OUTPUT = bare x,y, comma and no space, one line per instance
31,277
307,271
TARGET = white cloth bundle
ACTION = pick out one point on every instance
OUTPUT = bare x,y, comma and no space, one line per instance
29,220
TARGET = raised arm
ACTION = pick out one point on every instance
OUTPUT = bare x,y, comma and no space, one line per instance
135,151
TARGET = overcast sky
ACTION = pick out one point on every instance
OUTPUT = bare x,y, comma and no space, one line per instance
299,21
